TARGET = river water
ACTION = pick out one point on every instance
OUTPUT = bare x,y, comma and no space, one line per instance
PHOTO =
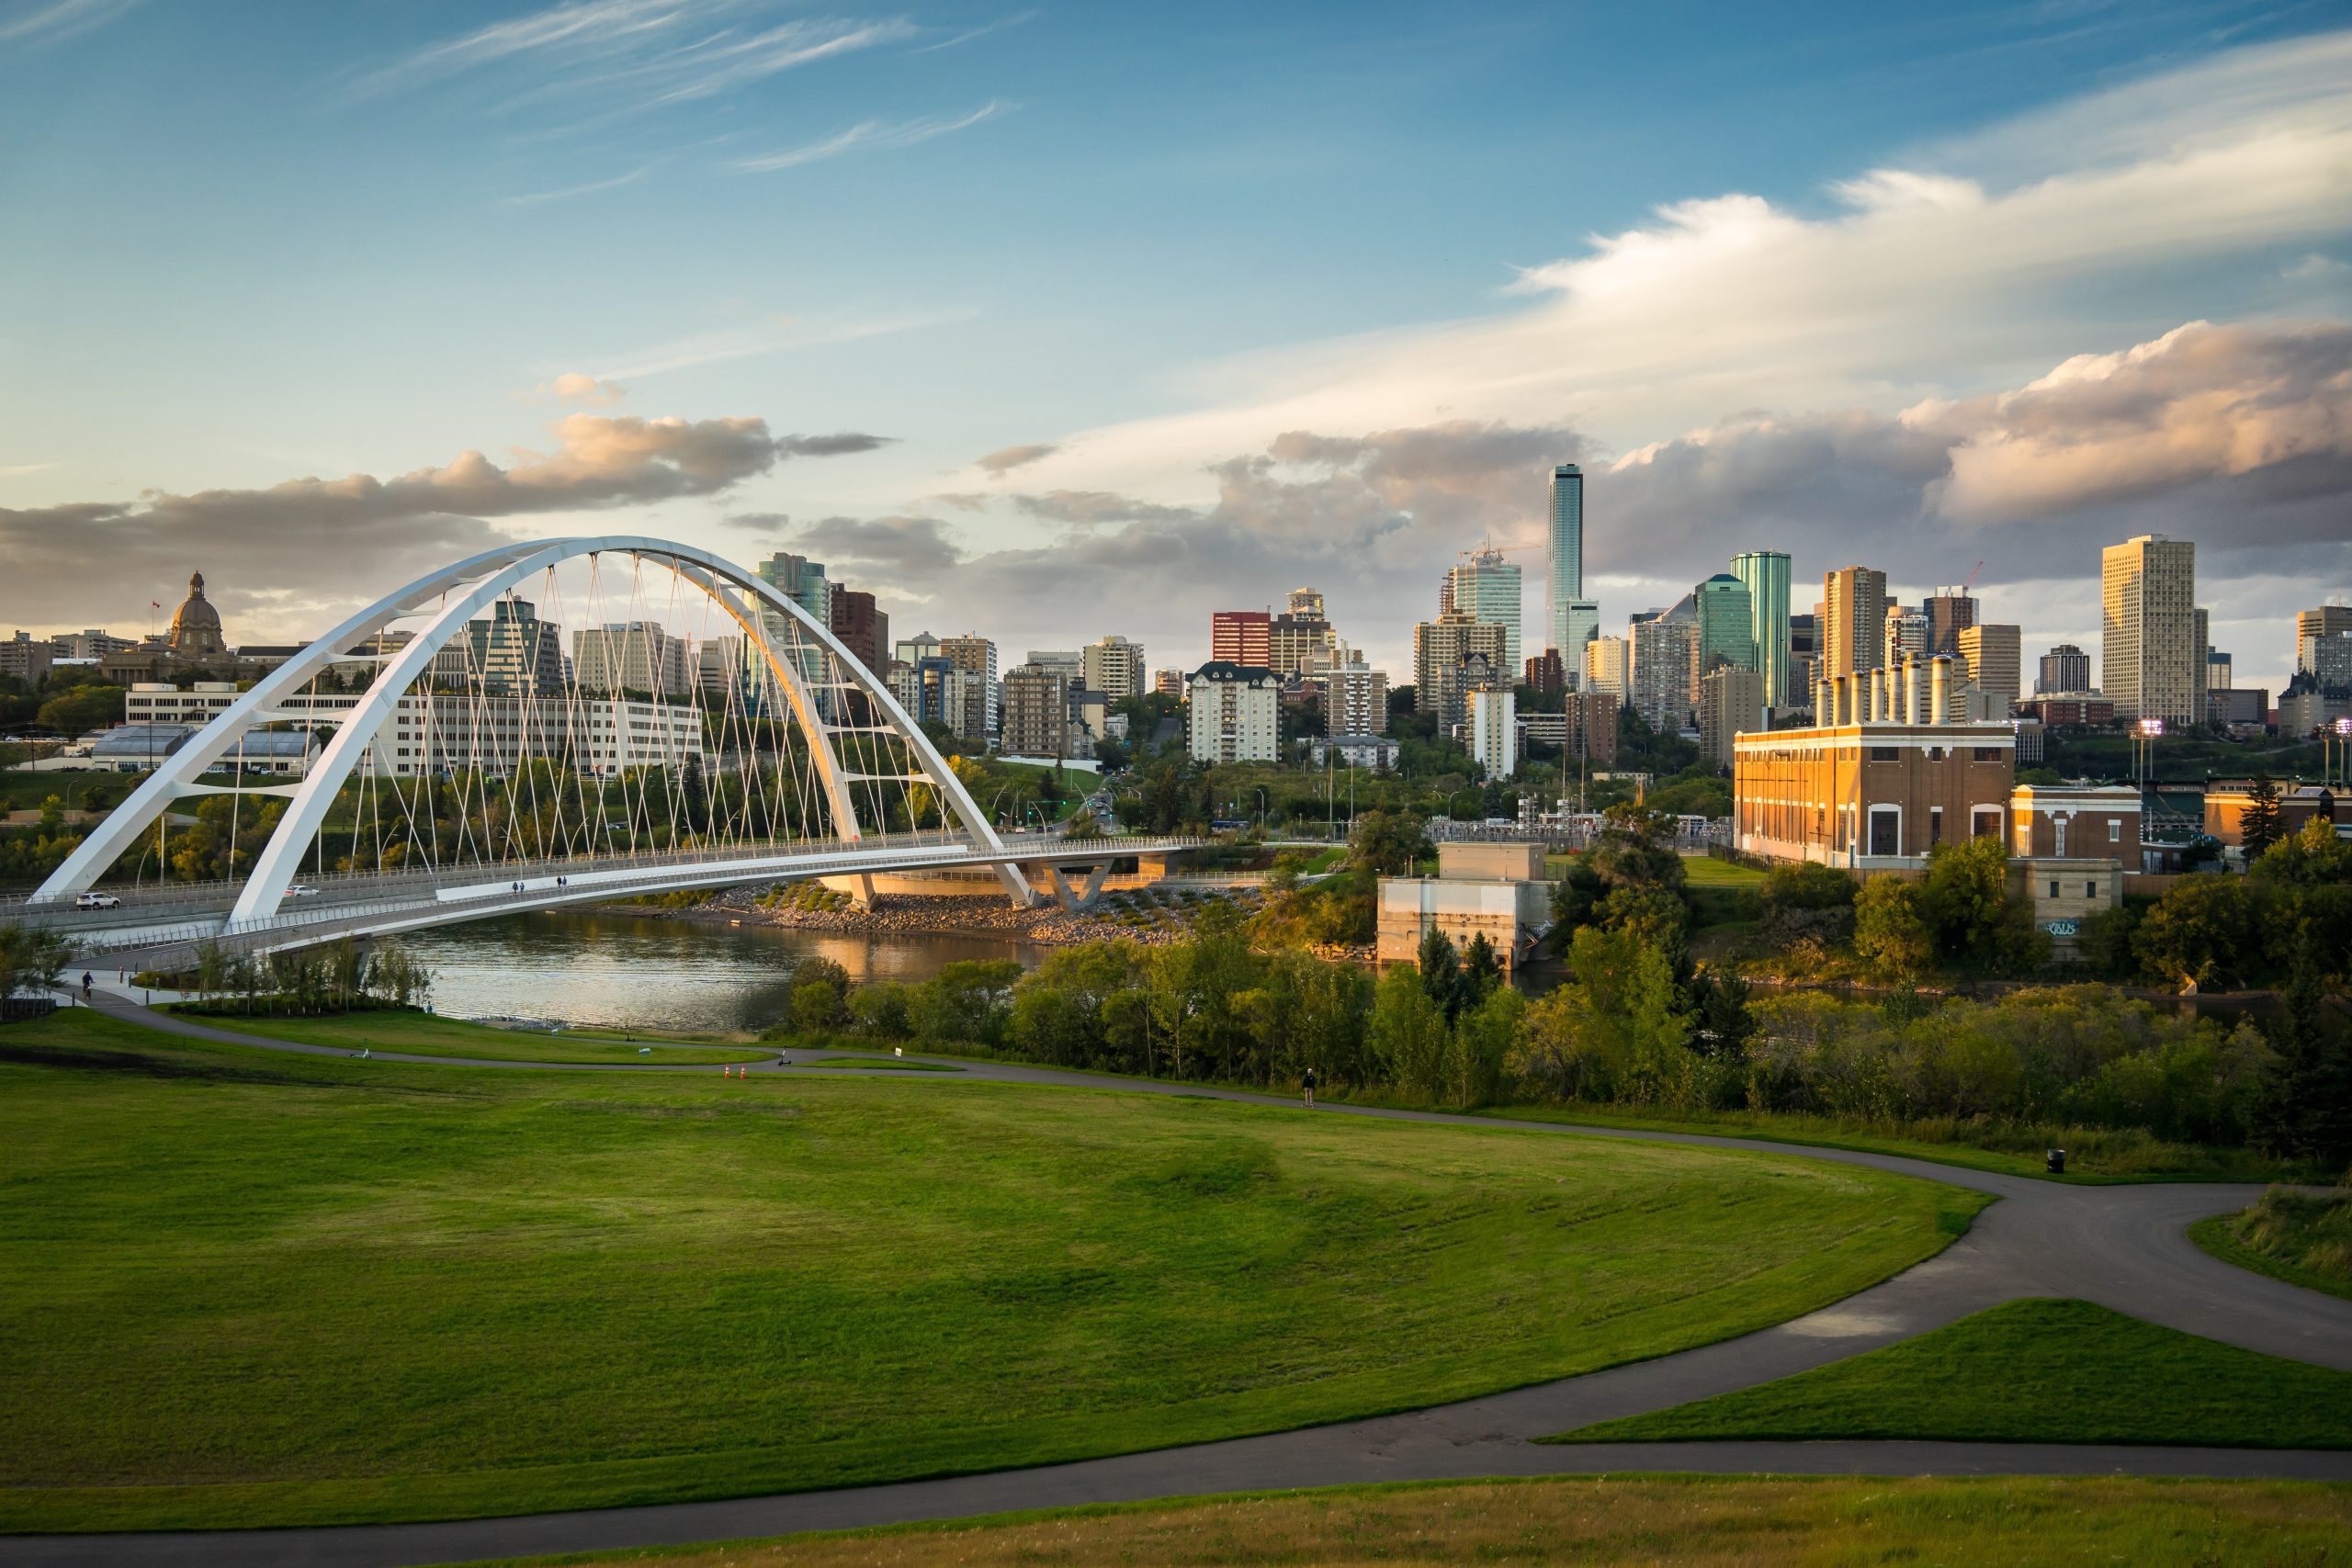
652,973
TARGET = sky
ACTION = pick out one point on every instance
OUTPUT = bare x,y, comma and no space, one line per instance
1054,322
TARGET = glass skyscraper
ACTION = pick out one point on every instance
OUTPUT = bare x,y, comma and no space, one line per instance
1486,586
1726,623
1566,541
1766,573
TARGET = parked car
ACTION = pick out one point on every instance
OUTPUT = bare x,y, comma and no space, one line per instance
301,890
96,901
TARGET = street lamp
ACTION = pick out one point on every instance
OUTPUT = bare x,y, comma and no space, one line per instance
2338,743
2144,736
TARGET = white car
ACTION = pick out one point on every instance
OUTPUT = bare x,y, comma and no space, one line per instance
301,890
96,901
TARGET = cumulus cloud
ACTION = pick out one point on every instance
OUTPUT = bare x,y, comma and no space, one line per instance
907,554
841,444
322,537
578,388
1007,458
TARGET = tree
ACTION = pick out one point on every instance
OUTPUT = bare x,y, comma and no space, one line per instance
2307,1111
2199,933
84,708
1721,1021
1890,933
1409,1035
1390,842
1440,971
1653,916
32,959
1808,901
1574,897
2258,826
1481,971
2314,857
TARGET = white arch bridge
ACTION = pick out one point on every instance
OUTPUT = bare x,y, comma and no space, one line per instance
706,730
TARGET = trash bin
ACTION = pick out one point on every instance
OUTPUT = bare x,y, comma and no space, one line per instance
2056,1160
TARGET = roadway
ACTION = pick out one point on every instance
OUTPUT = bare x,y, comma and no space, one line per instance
2123,1247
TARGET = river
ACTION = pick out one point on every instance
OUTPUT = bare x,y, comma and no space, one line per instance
700,976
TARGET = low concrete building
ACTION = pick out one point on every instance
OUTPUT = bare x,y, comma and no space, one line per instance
1494,889
136,748
2098,821
2226,802
1357,751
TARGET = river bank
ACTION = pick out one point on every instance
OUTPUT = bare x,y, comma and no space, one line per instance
1116,919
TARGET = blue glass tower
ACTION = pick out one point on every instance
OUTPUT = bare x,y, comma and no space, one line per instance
1566,541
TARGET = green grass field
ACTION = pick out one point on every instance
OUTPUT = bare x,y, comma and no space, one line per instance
430,1034
2303,1240
1657,1522
239,1287
2030,1372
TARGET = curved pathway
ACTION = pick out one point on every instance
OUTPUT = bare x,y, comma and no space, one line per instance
2124,1248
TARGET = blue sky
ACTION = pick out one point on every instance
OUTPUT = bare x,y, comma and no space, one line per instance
1294,294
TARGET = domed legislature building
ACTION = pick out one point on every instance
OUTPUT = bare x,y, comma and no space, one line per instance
194,649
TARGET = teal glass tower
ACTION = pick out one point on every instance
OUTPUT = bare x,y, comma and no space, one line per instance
1765,573
1566,542
1726,623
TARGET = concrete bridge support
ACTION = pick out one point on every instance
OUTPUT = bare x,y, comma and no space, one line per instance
1080,898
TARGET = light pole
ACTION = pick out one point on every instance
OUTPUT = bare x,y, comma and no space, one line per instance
2339,736
1263,803
2144,736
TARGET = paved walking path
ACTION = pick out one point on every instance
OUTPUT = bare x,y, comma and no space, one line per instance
2124,1248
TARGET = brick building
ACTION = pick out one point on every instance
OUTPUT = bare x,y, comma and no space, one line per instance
1870,795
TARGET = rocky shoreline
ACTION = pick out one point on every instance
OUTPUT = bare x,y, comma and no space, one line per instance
1049,925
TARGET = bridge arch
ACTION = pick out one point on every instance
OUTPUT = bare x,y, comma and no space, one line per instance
454,595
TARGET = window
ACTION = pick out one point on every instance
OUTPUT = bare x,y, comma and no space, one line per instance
1935,753
2115,830
1886,830
1935,825
1988,753
2053,888
1984,822
2090,889
1884,754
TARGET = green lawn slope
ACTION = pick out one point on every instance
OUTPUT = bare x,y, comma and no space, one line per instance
2030,1372
430,1034
240,1288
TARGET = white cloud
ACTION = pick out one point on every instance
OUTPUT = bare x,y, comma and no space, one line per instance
535,198
772,334
867,134
41,21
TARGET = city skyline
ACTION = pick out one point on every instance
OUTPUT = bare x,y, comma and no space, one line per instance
1679,325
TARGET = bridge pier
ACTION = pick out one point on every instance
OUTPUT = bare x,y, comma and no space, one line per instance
859,886
1083,898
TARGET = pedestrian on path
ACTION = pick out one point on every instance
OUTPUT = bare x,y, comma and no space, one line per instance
86,985
1306,1086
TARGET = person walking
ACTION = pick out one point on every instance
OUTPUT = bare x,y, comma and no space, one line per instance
86,985
1307,1087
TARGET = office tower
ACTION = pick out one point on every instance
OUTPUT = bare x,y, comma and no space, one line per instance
1853,621
1241,637
1293,642
1114,666
1604,667
975,655
1907,635
2065,668
633,656
1444,652
1731,702
1995,661
1308,603
1582,625
515,653
1805,658
1727,615
862,628
1949,613
2218,675
1494,732
1766,575
1664,653
2310,626
1487,586
2150,663
1545,674
1566,541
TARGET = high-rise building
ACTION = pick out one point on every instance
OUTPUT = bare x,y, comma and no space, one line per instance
1577,630
1949,613
720,674
1566,541
804,583
1731,703
1852,612
1995,663
1663,655
1545,674
1234,713
1167,682
2150,663
862,628
1726,623
1805,658
1294,641
1494,732
975,655
1037,713
1114,666
1308,605
1604,667
2327,621
513,652
2065,668
1766,575
1907,635
2218,673
1241,637
633,656
1442,653
1355,695
914,649
1487,586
